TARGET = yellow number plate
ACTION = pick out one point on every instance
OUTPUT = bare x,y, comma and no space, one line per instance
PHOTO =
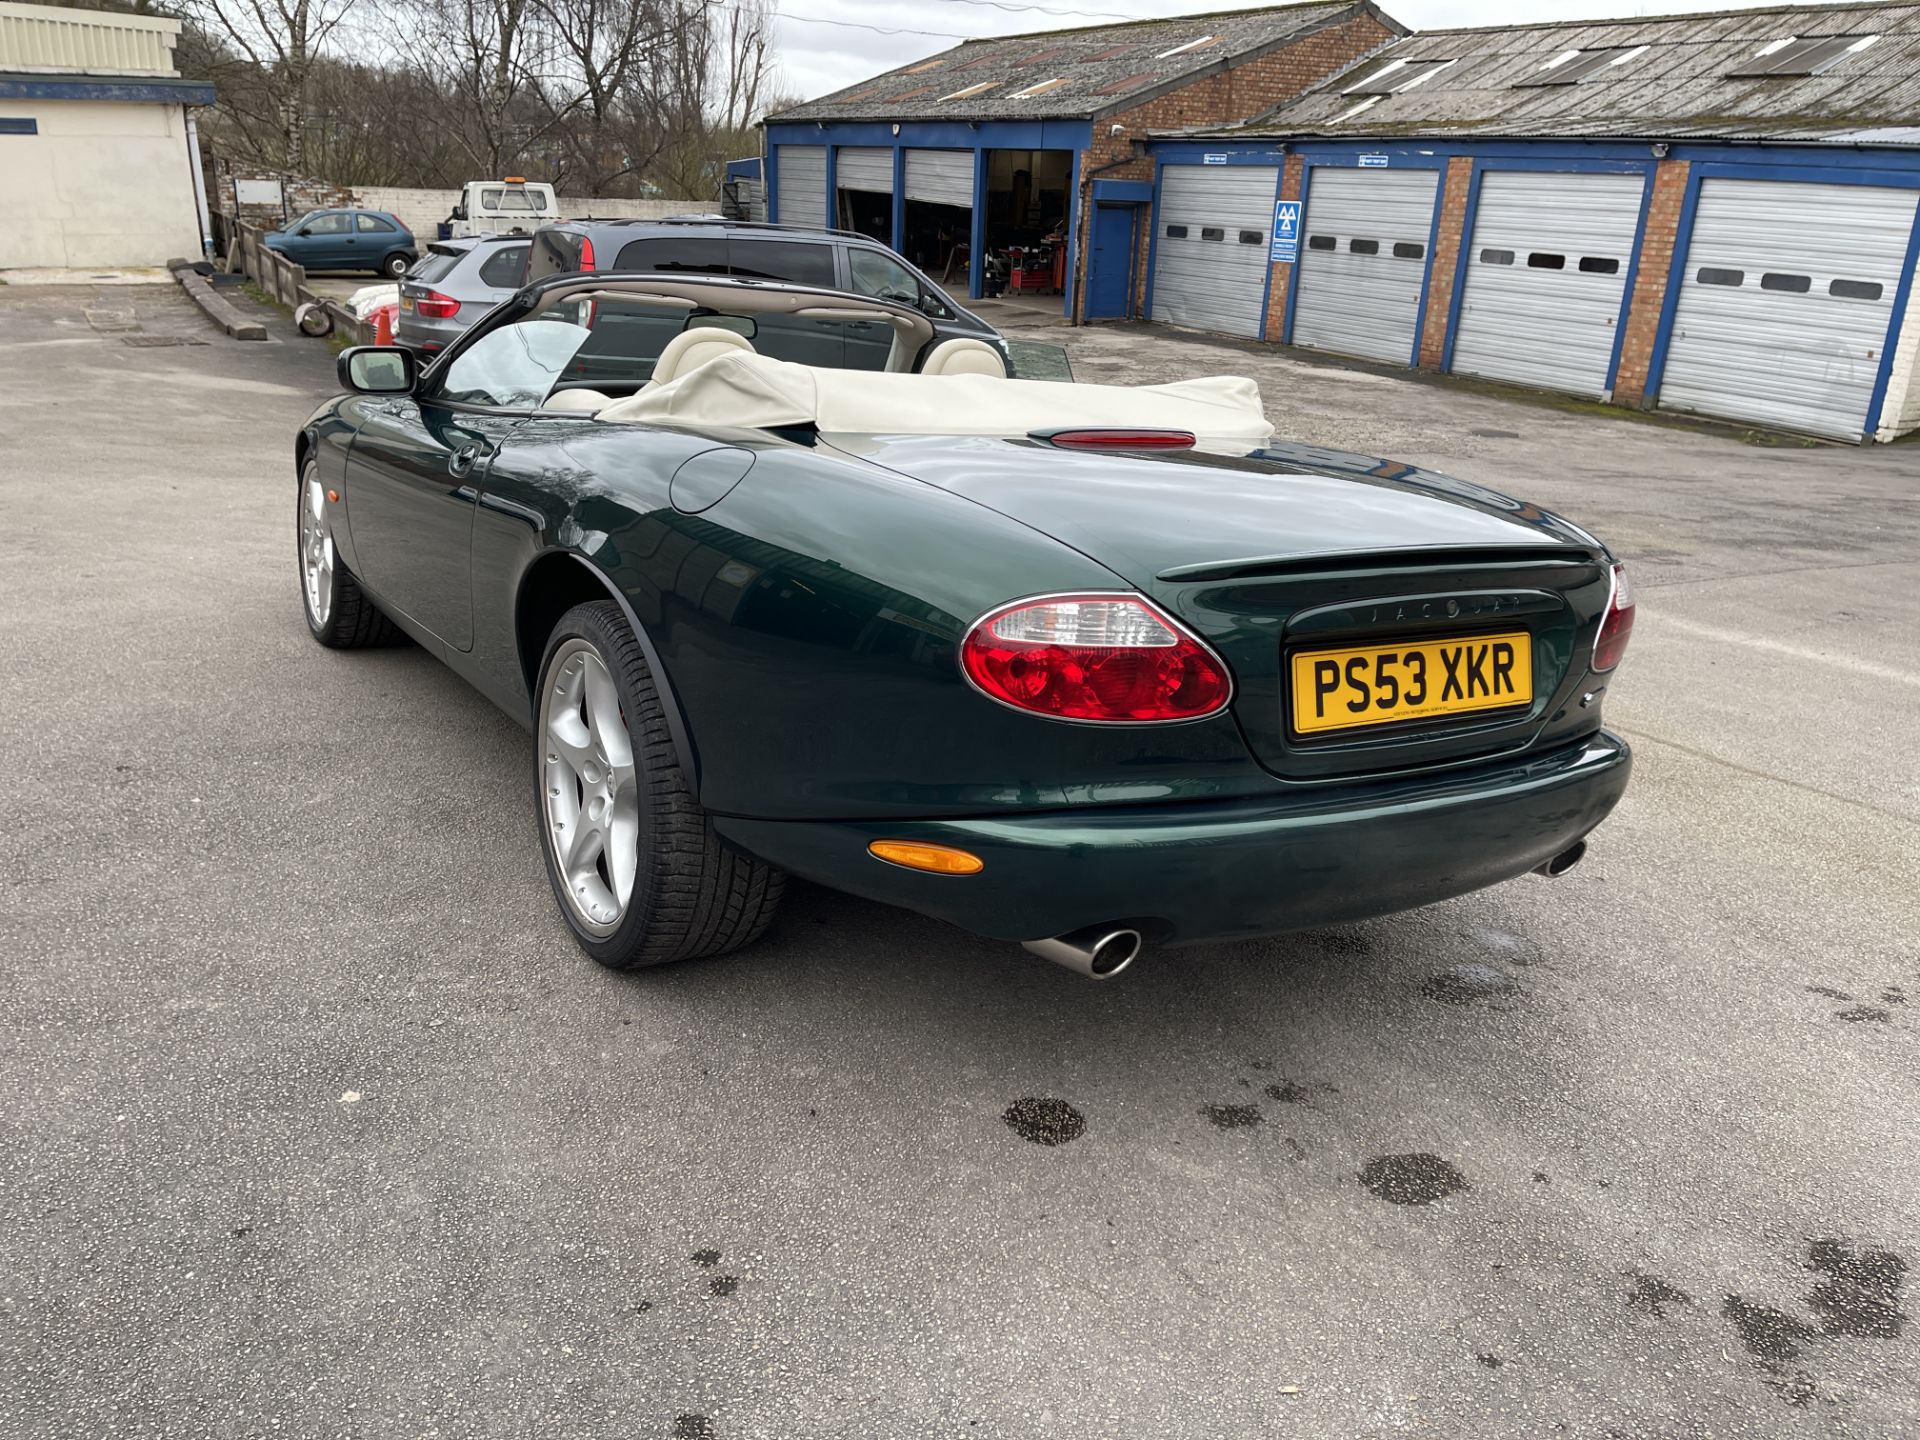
1416,680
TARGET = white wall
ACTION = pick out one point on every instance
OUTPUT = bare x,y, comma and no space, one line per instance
423,210
1901,412
103,183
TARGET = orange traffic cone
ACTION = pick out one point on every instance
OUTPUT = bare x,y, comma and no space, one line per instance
383,325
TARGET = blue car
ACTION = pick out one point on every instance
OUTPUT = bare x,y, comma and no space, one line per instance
347,240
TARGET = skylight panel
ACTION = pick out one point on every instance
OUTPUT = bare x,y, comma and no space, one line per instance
1182,49
1572,67
1800,56
1042,88
1398,76
970,91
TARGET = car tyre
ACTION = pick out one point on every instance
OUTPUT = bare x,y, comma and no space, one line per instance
339,613
395,265
640,876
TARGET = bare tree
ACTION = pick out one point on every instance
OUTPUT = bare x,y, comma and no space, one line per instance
598,96
283,40
723,72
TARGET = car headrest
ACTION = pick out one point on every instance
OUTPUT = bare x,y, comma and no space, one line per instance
965,357
587,402
691,349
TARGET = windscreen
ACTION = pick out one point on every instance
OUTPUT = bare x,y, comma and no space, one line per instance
612,344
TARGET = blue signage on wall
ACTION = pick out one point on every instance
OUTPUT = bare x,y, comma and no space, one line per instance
1373,162
1286,232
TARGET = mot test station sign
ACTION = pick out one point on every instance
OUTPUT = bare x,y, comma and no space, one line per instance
1286,232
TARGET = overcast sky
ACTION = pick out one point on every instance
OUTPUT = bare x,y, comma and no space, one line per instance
816,58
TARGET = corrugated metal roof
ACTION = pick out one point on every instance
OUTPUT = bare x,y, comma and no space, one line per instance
54,40
1105,67
1678,89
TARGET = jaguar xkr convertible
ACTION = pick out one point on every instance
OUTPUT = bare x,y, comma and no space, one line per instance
782,586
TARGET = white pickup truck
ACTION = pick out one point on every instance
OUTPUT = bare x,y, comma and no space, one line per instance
513,206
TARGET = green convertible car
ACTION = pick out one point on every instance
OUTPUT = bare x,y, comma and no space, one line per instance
781,584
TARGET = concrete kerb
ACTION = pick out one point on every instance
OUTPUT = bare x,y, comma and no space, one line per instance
216,306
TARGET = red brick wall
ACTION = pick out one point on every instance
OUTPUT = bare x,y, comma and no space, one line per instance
1281,281
1227,98
1447,260
1650,283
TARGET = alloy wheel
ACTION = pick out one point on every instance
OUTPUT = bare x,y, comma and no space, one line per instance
590,794
316,553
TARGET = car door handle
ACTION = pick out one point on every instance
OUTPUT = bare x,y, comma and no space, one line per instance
462,460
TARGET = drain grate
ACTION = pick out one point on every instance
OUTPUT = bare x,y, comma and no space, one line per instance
155,342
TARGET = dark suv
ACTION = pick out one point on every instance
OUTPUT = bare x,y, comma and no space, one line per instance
830,259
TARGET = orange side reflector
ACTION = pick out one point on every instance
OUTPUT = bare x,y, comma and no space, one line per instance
334,496
934,859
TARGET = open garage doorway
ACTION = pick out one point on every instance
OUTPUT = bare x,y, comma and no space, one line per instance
936,238
1028,193
869,213
866,192
937,212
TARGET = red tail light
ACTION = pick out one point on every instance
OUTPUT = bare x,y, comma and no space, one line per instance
1118,439
435,306
586,253
1611,643
1112,658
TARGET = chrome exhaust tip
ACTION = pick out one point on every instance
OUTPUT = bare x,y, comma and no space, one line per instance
1099,952
1564,861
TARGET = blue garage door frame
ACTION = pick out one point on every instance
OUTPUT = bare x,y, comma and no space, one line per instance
1110,277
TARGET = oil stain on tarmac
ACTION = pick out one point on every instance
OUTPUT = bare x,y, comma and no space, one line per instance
1044,1121
1233,1117
1417,1179
1652,1294
1860,1296
1470,985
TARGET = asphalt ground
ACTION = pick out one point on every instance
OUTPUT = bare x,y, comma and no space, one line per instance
318,1125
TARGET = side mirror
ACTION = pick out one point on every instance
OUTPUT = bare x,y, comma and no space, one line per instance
376,369
459,212
306,230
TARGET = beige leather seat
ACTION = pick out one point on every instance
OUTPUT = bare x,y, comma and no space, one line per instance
587,402
965,357
691,349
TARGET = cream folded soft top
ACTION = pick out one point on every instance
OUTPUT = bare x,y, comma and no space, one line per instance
755,392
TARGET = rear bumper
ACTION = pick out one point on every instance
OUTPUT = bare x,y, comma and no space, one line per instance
1225,869
410,329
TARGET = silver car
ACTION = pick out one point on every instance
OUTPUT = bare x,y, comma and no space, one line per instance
454,284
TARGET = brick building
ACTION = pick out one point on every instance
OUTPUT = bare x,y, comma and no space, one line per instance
1020,162
98,140
1714,213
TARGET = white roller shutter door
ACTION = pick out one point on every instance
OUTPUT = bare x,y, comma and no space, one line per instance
800,184
941,177
1546,276
1785,302
1363,261
864,169
1210,248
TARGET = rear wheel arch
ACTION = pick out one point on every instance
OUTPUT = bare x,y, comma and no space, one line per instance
552,585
